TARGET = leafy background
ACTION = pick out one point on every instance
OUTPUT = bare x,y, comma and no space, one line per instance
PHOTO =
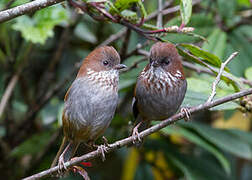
43,49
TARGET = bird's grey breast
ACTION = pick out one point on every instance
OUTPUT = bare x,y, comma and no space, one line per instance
92,101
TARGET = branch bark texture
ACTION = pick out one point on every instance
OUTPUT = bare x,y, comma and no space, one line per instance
26,8
147,132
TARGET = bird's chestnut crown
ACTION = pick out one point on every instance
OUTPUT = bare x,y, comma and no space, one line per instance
103,58
165,55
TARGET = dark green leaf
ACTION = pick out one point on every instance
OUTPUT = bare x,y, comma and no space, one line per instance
206,56
191,136
223,139
216,43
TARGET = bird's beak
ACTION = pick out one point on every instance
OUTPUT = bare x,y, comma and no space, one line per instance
154,64
120,66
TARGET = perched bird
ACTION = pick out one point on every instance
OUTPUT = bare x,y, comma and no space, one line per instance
90,102
160,87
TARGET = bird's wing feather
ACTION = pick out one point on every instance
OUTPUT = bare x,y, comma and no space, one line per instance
134,107
67,93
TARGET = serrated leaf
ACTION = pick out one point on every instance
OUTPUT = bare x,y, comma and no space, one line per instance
185,10
191,136
40,27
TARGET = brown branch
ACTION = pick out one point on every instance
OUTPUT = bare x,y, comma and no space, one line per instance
114,37
147,132
8,92
26,8
125,45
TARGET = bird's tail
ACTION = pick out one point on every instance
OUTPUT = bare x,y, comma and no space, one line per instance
69,153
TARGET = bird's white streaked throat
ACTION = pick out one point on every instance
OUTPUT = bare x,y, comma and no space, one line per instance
107,80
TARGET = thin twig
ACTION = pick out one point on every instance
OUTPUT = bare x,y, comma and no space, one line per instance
155,13
217,80
8,92
125,45
160,15
147,132
26,8
114,37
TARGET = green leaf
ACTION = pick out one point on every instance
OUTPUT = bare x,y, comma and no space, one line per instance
222,139
216,43
245,136
144,172
195,168
206,56
244,3
124,4
193,165
203,26
185,10
194,98
248,73
246,30
40,27
33,145
239,42
227,11
191,136
129,15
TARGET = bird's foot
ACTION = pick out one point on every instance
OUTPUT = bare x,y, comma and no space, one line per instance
61,165
105,141
102,150
187,113
135,134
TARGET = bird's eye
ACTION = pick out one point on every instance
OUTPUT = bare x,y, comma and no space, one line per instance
105,63
167,62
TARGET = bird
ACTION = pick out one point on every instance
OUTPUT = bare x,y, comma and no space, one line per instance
160,88
90,102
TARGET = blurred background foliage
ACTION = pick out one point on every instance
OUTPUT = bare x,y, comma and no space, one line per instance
40,54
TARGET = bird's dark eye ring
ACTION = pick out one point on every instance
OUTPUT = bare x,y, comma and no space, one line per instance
167,62
105,63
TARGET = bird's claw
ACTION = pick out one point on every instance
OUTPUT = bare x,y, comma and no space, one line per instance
135,135
187,113
102,150
61,165
105,141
